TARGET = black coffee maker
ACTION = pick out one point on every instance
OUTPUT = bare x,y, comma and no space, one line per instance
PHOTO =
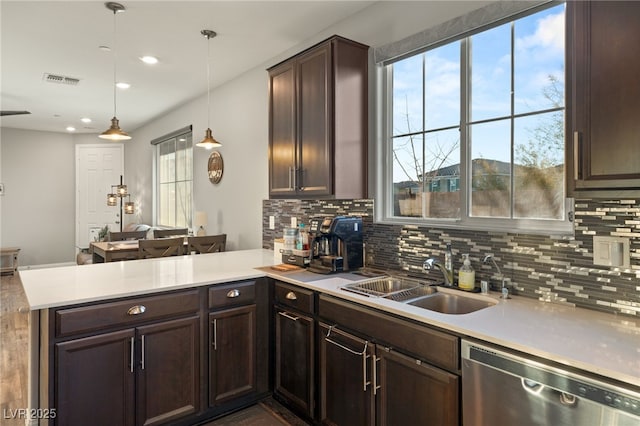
336,244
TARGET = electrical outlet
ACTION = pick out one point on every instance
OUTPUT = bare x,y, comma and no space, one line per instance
272,222
294,222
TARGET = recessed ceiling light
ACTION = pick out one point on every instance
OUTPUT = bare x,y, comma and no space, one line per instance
123,85
85,120
151,60
71,129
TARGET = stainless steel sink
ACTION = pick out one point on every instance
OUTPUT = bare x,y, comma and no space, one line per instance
423,294
381,287
448,303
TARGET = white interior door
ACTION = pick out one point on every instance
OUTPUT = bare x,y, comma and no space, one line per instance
98,166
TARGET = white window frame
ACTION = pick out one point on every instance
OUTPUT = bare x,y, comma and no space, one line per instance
384,161
156,182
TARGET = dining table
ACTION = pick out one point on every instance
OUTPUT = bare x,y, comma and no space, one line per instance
111,251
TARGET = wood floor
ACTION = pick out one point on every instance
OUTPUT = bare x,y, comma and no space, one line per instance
14,336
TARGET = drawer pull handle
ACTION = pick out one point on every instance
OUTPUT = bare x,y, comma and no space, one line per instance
291,296
233,293
136,310
287,315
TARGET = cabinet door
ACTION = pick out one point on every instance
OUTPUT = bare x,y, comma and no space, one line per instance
314,114
294,359
414,393
282,128
94,380
232,354
605,147
346,378
168,371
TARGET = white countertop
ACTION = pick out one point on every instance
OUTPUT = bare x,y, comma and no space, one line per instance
68,285
596,342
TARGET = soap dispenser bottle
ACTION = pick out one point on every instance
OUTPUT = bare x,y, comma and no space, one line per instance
466,275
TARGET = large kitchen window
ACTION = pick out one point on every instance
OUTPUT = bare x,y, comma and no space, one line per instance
174,179
476,128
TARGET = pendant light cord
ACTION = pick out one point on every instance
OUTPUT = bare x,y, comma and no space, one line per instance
208,83
115,60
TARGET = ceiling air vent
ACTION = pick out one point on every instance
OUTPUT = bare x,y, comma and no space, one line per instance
60,79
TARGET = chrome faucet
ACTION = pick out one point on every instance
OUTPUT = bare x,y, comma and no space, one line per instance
505,291
431,262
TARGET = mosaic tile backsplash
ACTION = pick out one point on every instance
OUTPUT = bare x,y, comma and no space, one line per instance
553,269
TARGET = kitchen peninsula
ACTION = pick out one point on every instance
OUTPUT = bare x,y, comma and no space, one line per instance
70,307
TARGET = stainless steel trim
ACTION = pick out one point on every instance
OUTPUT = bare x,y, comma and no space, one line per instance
215,334
136,310
291,296
233,293
363,353
375,375
131,360
287,315
142,353
576,155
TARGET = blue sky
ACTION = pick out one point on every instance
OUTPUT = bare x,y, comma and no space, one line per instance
538,52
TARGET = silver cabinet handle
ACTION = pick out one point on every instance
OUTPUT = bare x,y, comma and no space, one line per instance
374,366
577,164
291,296
131,361
290,172
136,310
142,355
363,353
233,293
215,334
286,315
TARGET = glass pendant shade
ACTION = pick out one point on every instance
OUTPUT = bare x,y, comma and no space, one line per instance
129,207
121,190
115,133
112,200
208,142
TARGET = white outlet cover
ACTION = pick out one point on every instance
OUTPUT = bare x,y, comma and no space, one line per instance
294,222
272,222
611,251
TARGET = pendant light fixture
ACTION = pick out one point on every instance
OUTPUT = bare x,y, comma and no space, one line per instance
208,142
114,133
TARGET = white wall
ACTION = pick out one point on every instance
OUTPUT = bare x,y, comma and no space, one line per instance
239,122
38,168
38,209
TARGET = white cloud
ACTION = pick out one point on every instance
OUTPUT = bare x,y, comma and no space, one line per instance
549,33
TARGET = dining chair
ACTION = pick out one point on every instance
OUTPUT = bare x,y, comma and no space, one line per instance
127,235
161,247
207,244
163,233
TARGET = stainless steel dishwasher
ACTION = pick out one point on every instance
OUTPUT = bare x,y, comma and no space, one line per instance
504,389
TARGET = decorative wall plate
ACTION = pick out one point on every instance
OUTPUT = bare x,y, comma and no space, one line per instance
215,167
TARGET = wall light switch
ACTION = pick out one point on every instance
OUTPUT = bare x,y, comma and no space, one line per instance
611,251
272,222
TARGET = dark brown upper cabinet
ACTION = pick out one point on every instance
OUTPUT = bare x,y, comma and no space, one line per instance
318,107
603,120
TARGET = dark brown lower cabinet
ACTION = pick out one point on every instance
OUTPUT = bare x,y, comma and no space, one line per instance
347,384
362,383
96,383
169,371
414,393
232,352
147,375
294,360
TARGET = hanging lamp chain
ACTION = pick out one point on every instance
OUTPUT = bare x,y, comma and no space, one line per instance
115,61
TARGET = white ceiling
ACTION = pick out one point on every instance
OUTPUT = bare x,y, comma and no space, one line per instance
63,37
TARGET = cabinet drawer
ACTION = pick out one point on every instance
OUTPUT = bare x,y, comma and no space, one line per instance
433,346
234,294
125,312
295,297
